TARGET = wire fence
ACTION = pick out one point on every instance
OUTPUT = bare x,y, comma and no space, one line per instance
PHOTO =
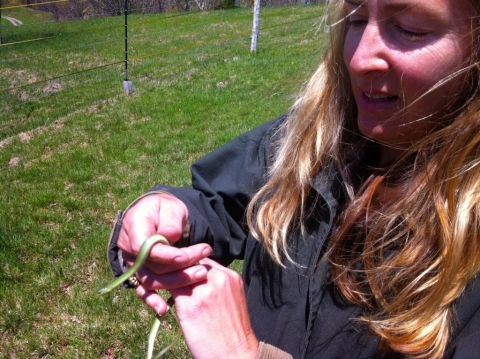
65,10
39,61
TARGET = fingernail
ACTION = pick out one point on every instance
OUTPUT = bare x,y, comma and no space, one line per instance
178,259
160,310
207,251
200,273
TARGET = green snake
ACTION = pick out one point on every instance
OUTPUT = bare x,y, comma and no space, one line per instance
142,257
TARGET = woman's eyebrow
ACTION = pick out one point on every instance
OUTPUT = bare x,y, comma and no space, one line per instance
397,6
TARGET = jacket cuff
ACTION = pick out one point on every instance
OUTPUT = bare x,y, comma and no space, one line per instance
114,253
267,351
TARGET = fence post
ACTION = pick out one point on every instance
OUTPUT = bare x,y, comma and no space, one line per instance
127,85
256,25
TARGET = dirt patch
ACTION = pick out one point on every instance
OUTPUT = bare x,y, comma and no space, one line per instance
22,76
15,161
5,71
6,141
55,125
25,137
53,87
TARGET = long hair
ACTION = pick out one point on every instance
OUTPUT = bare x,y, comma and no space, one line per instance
408,241
314,140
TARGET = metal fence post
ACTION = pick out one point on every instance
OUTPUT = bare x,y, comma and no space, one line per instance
127,85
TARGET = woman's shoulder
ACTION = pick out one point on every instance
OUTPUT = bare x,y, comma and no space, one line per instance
271,130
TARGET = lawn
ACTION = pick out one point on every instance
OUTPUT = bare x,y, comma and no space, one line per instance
74,148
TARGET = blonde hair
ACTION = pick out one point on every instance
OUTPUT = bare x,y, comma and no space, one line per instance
408,241
314,131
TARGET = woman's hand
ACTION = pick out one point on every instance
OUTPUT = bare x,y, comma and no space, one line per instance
167,267
214,317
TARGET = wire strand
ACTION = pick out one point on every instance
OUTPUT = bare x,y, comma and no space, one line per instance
137,58
59,77
29,5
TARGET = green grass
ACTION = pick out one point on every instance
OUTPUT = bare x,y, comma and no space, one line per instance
27,15
74,148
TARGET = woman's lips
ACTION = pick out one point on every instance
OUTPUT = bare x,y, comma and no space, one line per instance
379,96
376,101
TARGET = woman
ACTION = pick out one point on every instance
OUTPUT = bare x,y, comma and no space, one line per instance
357,215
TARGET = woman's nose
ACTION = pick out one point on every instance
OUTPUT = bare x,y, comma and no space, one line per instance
370,52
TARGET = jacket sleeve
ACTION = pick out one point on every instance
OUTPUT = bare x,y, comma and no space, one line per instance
464,342
223,183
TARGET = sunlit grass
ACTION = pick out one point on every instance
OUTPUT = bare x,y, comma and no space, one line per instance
75,149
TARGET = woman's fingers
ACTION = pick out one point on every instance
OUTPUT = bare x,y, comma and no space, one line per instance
164,259
214,316
159,214
181,257
211,308
173,218
152,299
154,213
171,280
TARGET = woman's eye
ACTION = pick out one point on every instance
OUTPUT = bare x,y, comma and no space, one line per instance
413,36
356,22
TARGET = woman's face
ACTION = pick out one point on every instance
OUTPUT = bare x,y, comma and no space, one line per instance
397,50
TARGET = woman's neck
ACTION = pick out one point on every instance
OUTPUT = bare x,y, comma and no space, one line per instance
389,155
